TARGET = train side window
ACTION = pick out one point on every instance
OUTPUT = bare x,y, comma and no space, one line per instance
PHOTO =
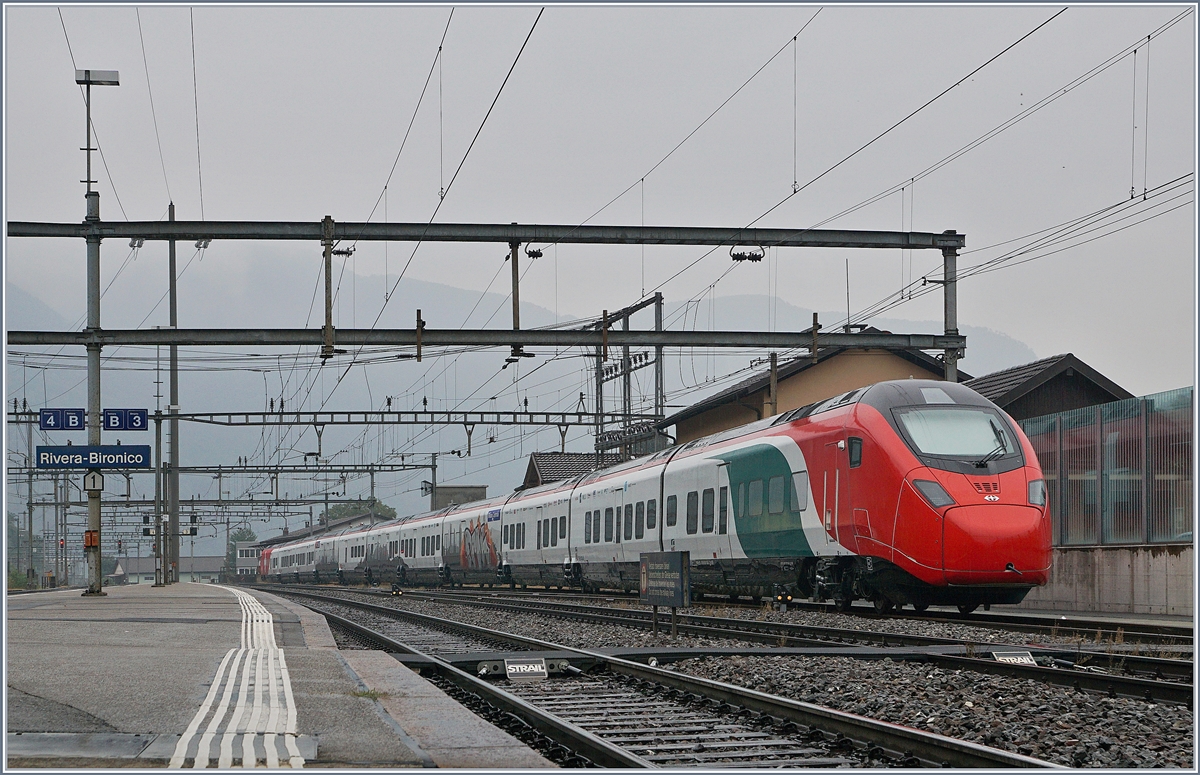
504,535
437,542
521,536
693,512
754,498
775,495
587,527
651,516
596,526
800,491
537,534
672,508
554,532
706,511
608,525
562,526
855,450
723,512
628,521
639,520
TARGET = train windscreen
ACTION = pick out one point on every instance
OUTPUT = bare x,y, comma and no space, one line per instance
959,432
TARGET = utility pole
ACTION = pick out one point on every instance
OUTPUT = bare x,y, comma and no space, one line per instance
600,395
30,574
626,388
773,393
91,536
327,242
660,399
950,288
171,566
160,575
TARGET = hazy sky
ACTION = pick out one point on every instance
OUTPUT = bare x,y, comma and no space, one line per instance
295,112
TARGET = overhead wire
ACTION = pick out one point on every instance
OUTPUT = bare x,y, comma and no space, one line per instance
92,124
690,134
990,134
449,185
153,113
196,109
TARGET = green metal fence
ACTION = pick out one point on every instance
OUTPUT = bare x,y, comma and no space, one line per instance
1119,473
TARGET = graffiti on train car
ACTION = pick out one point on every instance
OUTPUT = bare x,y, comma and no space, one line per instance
478,551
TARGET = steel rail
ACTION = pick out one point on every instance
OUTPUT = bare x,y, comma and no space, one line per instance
1114,629
600,752
903,742
781,633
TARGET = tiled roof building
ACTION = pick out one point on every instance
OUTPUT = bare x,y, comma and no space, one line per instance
547,467
1049,385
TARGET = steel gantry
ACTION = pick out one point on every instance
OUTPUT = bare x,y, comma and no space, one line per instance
326,232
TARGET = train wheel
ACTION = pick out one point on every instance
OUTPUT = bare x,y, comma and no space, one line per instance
882,604
842,604
966,608
920,607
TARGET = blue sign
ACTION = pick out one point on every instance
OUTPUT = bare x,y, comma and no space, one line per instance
125,420
61,419
102,456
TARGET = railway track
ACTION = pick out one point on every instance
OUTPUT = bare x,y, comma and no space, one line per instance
1096,629
1113,673
614,712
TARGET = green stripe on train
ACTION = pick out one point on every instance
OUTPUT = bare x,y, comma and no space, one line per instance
764,535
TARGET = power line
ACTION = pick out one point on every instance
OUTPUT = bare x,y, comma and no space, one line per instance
449,185
153,115
196,107
910,115
678,145
92,124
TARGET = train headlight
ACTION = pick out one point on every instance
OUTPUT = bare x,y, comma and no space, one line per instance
1037,492
933,492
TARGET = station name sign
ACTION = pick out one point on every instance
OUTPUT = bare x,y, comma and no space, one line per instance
102,456
664,579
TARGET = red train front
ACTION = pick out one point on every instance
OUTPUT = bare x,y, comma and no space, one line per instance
933,493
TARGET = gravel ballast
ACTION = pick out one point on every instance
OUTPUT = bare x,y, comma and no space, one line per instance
1047,722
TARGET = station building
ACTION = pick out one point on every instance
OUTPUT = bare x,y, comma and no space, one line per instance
140,570
245,558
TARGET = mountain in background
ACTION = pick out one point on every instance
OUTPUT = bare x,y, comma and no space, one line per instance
23,311
987,350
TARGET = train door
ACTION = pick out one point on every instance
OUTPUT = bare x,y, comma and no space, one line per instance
843,501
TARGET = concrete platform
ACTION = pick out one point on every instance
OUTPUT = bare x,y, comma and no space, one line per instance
194,674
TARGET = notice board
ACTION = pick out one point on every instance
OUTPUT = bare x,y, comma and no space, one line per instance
664,579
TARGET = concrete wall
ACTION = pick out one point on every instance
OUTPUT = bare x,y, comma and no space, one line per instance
1119,579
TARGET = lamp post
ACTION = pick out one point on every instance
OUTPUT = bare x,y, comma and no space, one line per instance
91,537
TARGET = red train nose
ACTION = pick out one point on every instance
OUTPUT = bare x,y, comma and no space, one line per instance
995,544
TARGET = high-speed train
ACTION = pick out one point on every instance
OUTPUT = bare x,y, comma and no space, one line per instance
907,492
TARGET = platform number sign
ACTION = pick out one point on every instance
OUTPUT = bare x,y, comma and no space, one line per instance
125,419
61,419
93,481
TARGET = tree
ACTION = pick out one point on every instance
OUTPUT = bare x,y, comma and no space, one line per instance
342,510
238,535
